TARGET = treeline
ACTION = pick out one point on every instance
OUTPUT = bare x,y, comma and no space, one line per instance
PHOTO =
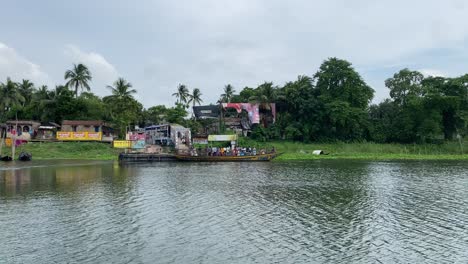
334,104
25,101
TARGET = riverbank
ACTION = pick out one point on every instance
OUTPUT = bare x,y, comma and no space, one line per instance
370,151
366,151
68,150
290,151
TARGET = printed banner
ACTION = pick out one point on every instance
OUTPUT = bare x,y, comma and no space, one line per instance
139,144
201,141
137,137
252,110
122,144
222,137
94,135
79,136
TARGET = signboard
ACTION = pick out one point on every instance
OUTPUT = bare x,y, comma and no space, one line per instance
222,137
94,135
206,111
201,141
122,144
8,142
79,136
138,144
137,137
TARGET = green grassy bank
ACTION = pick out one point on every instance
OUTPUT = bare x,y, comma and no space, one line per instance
290,150
68,150
369,151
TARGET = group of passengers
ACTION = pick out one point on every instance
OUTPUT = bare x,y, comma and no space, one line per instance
235,151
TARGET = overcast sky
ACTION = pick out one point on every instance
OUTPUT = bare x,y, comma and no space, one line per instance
207,44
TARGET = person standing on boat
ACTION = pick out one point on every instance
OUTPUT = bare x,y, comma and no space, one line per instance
254,151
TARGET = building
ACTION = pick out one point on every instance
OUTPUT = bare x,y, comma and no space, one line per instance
93,126
22,129
86,126
47,131
168,135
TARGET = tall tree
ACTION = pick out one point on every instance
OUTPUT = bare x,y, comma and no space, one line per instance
26,88
337,80
78,78
124,110
346,99
301,116
182,94
195,97
228,93
405,85
264,94
122,89
10,96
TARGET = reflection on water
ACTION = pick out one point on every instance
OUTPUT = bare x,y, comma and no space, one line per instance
320,211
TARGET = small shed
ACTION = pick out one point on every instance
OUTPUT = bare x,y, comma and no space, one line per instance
168,135
47,130
86,126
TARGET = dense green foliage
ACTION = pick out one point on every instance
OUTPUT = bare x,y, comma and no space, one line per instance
25,101
334,104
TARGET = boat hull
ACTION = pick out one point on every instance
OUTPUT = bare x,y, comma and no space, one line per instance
264,157
6,158
24,156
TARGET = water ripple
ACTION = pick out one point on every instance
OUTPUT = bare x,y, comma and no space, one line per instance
304,212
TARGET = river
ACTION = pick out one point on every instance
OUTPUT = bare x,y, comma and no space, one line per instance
322,211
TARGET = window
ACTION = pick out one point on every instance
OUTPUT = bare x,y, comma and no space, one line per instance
74,128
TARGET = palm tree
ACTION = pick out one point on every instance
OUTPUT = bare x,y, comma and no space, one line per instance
41,93
26,88
265,94
78,78
182,94
121,89
195,98
10,96
228,93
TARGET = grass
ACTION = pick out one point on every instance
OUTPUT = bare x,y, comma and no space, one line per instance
290,150
68,150
368,151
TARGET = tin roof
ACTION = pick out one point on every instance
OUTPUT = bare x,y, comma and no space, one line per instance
23,122
83,122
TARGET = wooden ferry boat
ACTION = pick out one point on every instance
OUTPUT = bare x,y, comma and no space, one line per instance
261,157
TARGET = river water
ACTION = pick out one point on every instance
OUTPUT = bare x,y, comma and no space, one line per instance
300,212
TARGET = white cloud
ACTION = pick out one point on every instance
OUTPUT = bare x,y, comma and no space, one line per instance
209,43
17,67
103,72
432,72
246,42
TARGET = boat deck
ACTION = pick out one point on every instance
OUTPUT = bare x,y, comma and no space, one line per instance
262,157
